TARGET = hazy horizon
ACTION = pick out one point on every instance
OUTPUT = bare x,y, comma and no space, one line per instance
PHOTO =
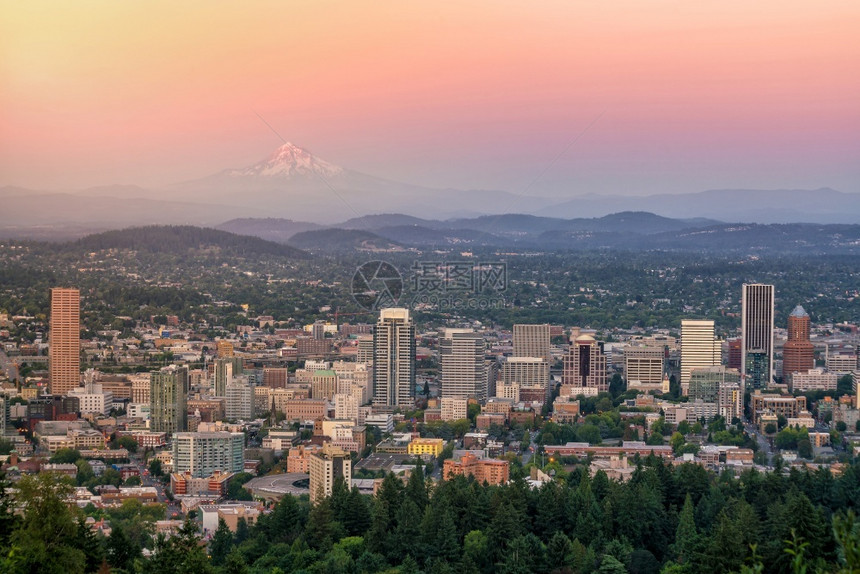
556,100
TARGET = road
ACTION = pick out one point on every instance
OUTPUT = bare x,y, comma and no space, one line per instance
763,442
9,368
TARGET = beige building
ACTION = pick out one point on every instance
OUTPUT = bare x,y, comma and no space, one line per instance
699,349
532,341
65,340
454,409
325,467
643,368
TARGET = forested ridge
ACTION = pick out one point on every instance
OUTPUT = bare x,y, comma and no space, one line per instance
666,518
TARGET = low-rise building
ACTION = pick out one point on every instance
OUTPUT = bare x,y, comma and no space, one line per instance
426,447
490,471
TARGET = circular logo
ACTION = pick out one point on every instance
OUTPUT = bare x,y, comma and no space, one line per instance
377,285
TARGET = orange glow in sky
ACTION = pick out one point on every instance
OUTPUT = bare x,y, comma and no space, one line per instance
686,95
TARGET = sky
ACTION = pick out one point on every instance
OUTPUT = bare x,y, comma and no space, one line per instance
559,98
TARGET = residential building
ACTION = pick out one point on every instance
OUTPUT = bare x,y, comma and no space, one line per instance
168,400
757,304
454,409
203,453
530,373
324,384
813,380
491,471
225,369
64,358
325,467
346,407
394,358
239,404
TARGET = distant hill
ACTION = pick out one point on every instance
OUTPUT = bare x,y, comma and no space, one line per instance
269,228
381,220
335,239
179,238
822,205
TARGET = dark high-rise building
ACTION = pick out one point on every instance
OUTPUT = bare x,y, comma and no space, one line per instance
64,360
168,399
757,335
735,354
798,354
585,364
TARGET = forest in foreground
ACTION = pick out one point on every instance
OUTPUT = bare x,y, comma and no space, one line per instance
669,519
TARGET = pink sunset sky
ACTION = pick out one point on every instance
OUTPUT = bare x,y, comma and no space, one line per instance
559,97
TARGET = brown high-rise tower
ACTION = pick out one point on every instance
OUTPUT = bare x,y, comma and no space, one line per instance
65,342
798,354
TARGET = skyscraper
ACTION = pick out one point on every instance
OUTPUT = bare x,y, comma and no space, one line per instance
461,356
532,376
168,400
65,348
394,358
798,354
585,364
532,341
757,334
226,368
699,348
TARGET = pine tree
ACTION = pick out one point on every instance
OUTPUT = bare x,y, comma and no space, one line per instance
221,544
686,536
121,552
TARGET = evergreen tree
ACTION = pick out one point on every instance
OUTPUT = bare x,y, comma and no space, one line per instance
221,544
686,536
45,540
121,552
559,553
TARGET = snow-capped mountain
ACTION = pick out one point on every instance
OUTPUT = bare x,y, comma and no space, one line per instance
295,184
289,161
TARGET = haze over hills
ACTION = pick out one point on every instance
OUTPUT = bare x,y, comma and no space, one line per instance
294,184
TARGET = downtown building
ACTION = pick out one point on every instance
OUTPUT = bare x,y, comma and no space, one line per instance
531,374
64,360
168,400
201,454
643,367
394,359
461,358
757,306
798,353
585,367
325,467
532,341
699,349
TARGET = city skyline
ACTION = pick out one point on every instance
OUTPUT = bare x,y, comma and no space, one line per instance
562,100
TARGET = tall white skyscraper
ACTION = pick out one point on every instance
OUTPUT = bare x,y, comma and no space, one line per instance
394,358
461,355
699,348
757,335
